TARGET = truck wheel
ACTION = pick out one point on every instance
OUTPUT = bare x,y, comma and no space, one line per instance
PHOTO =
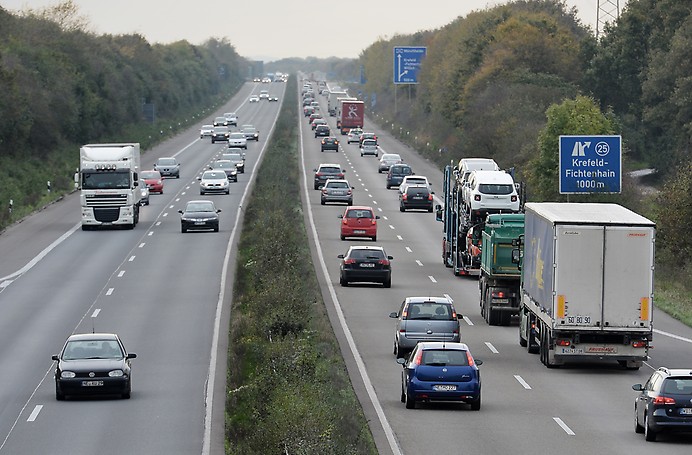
491,316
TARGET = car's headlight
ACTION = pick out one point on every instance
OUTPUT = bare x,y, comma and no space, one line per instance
184,218
116,374
67,374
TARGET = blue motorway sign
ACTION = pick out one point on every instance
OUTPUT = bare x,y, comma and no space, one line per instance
407,61
590,164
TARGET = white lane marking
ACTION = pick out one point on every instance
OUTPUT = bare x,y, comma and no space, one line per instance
491,347
563,425
432,279
96,312
521,381
183,193
672,335
121,273
385,218
165,214
391,227
467,320
379,209
34,413
409,250
176,200
360,364
158,223
5,283
399,237
132,258
141,245
374,202
150,233
420,264
211,375
110,291
171,206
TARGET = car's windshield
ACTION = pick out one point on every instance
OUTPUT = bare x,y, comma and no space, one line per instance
166,161
92,349
214,175
105,180
237,136
487,188
444,357
200,207
429,311
223,164
149,175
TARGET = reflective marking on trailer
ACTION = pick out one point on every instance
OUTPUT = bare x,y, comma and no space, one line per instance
564,426
491,347
521,381
34,413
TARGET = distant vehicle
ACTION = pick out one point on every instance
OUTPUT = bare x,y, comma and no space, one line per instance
387,160
416,197
215,181
238,159
397,173
318,121
93,364
337,190
199,215
325,172
365,264
220,121
328,143
228,167
425,318
359,221
257,79
308,110
237,139
168,167
367,136
144,192
352,115
441,372
663,403
264,95
254,99
231,118
354,135
251,133
322,130
413,180
468,165
220,134
206,131
153,180
369,150
273,98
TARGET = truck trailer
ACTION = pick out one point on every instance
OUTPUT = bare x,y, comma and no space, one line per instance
108,180
587,283
332,103
351,115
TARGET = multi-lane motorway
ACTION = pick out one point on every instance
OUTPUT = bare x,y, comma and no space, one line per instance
167,295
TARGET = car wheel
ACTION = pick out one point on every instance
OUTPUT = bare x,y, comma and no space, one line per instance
374,238
476,405
322,202
637,428
350,202
317,187
649,434
403,394
361,154
128,392
389,187
376,155
379,171
430,209
58,394
343,281
216,229
410,401
201,193
343,237
401,208
228,191
388,283
183,230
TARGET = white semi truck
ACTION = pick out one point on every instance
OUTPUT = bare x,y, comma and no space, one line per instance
108,180
332,101
587,283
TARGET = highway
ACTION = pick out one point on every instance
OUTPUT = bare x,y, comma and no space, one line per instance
167,295
526,407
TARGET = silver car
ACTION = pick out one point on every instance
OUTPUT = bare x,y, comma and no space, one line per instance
215,181
369,149
337,190
387,160
424,319
237,139
206,131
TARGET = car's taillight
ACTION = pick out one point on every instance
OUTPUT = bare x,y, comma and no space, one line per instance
349,261
470,358
664,400
373,221
349,192
477,197
383,262
563,342
639,344
324,190
419,358
404,196
430,197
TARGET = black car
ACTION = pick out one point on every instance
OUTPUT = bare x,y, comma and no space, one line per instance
168,167
397,173
416,197
220,134
365,264
330,143
325,172
664,403
322,130
228,167
93,364
199,215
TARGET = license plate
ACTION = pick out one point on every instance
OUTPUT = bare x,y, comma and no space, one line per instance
359,231
572,351
602,349
417,198
686,411
92,383
500,300
367,264
200,222
444,388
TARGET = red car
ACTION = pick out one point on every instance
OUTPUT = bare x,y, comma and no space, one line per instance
153,180
359,221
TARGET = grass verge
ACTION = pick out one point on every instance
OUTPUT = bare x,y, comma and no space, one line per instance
288,388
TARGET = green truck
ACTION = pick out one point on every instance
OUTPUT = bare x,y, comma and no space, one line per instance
500,268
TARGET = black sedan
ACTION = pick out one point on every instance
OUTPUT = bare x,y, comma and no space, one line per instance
365,264
199,215
93,364
330,143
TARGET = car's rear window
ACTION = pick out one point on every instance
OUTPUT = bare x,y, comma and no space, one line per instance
330,170
417,191
401,170
430,311
444,357
337,185
359,214
486,188
679,386
366,254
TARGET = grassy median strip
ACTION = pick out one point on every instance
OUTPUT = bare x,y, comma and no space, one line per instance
288,388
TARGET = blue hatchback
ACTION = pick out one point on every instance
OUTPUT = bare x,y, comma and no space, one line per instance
438,371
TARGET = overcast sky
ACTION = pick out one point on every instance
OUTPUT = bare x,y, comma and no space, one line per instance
273,29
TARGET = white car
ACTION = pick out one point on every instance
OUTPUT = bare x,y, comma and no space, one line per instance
264,94
491,192
206,131
215,181
413,180
237,139
354,135
254,99
231,118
